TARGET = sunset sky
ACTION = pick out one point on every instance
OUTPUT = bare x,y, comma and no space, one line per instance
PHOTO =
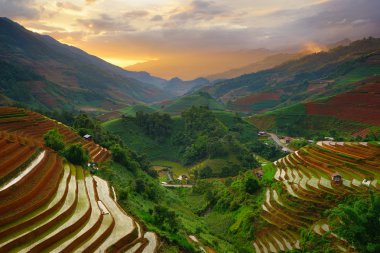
189,38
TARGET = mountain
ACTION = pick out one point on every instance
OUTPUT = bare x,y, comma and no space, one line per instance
313,76
41,72
274,60
354,112
191,65
267,63
179,87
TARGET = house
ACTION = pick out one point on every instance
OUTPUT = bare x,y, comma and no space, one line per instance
259,173
336,178
310,141
87,137
366,182
262,133
329,138
182,177
287,140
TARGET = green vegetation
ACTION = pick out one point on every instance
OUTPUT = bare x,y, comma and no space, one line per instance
294,121
197,99
358,222
85,124
53,139
297,143
222,215
197,137
330,72
154,125
75,154
131,110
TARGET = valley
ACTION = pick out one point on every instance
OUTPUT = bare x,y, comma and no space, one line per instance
262,143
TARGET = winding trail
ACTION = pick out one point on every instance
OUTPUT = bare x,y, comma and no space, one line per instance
279,143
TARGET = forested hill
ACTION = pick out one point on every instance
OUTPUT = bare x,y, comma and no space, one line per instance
41,72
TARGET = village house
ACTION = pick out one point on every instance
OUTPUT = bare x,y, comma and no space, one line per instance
336,178
259,173
87,137
262,133
288,140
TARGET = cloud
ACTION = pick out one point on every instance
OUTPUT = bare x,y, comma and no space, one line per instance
90,1
200,10
136,14
156,18
43,27
19,9
68,5
105,24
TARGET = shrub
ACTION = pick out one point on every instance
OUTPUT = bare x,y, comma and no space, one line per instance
76,154
53,139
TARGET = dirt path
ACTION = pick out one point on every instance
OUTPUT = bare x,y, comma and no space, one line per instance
279,143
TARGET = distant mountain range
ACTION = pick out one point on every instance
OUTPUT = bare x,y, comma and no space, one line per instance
310,77
267,63
190,65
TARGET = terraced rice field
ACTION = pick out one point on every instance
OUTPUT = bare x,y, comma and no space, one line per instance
32,126
307,190
50,205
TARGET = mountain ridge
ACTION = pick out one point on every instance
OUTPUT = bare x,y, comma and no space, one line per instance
72,76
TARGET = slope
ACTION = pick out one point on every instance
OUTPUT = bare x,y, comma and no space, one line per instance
316,75
267,63
195,99
344,114
39,71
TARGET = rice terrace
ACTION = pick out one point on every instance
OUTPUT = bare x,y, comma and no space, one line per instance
192,126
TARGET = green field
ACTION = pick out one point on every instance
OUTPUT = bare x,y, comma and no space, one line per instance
131,110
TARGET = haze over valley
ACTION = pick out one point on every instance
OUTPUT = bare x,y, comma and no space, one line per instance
189,126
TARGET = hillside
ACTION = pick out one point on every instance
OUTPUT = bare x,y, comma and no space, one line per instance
180,87
267,63
317,75
304,189
41,72
348,113
197,136
49,204
178,105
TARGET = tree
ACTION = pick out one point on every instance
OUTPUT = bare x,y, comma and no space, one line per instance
251,185
53,139
165,218
125,157
359,223
205,172
76,154
139,185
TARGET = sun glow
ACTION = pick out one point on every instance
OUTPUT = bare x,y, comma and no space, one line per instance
313,47
121,62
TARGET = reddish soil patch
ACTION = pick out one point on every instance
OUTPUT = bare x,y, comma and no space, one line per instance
109,116
166,102
361,104
362,133
258,97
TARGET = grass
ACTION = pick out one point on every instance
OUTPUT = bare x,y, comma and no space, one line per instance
185,102
358,74
174,199
135,139
131,110
269,172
